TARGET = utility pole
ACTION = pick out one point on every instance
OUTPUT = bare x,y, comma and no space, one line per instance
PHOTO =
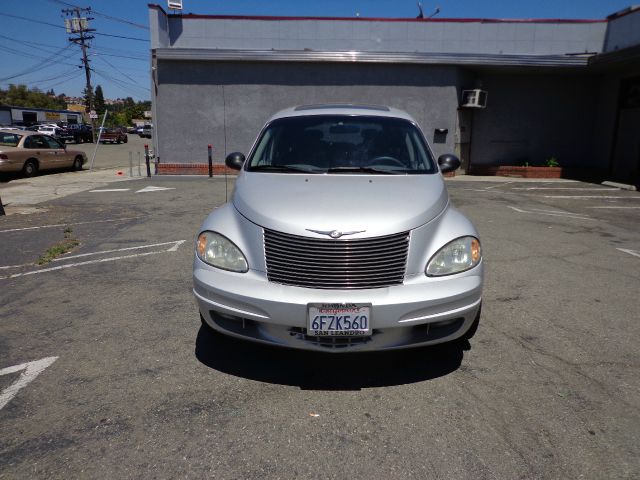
79,25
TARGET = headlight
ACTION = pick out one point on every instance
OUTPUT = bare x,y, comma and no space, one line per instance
455,257
219,251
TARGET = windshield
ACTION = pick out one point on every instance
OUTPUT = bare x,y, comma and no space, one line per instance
342,144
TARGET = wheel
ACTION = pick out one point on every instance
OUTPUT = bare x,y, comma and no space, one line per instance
474,326
77,164
30,168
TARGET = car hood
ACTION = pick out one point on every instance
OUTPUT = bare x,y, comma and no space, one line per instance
371,205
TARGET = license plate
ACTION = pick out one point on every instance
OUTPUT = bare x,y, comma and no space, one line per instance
339,319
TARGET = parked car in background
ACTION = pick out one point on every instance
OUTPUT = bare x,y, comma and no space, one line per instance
340,237
81,133
146,131
30,152
113,135
59,133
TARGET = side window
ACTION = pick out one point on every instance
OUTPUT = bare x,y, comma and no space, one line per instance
29,142
51,142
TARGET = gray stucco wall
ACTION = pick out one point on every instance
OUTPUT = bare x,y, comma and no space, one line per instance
623,32
198,98
479,36
529,118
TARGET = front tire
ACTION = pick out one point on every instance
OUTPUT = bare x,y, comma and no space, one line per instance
30,168
77,164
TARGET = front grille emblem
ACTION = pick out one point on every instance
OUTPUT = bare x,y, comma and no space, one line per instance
335,233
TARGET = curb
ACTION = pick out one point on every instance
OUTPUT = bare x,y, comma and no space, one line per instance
621,186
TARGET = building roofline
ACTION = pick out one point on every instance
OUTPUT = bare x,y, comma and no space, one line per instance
204,54
379,19
624,12
374,19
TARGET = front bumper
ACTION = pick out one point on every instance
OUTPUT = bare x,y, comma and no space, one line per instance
422,311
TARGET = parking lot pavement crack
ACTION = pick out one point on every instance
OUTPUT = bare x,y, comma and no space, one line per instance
575,367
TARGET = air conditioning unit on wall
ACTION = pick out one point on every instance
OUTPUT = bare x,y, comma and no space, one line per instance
474,98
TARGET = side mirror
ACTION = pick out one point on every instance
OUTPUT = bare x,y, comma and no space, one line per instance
235,160
448,162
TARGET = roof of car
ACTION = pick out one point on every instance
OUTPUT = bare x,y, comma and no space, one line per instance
342,109
21,132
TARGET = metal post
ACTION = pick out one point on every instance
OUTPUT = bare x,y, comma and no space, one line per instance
130,164
210,161
146,159
156,163
139,172
93,157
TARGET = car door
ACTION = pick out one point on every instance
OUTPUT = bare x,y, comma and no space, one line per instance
35,146
58,152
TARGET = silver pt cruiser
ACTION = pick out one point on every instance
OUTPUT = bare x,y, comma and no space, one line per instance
340,237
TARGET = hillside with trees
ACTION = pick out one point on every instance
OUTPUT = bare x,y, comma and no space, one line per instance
22,96
121,112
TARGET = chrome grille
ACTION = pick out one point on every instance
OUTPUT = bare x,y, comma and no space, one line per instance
337,264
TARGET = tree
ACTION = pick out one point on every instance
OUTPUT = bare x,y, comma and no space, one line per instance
86,93
98,101
21,96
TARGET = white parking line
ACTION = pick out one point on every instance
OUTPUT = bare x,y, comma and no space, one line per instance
102,260
151,188
613,207
15,266
552,214
500,185
589,197
31,371
110,190
635,253
67,224
139,247
582,189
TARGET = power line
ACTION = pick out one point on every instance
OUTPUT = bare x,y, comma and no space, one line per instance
35,45
53,58
63,81
58,26
122,36
116,69
119,83
30,55
104,15
31,20
100,54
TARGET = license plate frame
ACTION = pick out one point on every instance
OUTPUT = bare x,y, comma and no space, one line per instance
335,314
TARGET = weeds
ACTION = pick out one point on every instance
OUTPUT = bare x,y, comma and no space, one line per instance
60,248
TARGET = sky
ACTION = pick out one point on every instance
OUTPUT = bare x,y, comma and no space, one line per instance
40,55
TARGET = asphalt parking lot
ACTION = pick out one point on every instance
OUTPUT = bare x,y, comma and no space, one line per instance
105,371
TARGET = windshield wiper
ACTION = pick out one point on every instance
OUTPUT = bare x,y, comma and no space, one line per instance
282,168
363,170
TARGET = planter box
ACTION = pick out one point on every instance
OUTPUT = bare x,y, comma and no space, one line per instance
520,172
193,169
